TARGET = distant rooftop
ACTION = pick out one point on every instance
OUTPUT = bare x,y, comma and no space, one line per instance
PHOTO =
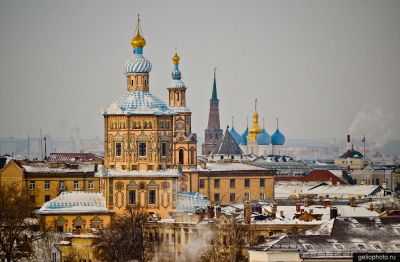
72,157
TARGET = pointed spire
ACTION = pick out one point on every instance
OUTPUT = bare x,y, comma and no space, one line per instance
277,123
263,122
138,42
247,121
214,96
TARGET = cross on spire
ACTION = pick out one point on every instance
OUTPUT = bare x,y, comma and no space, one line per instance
255,105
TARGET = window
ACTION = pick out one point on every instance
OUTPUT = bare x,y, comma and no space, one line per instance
46,198
152,197
202,183
118,149
377,181
262,182
361,246
262,196
216,197
61,185
132,197
76,185
308,246
91,185
216,183
132,82
232,183
246,197
232,198
181,156
32,185
142,149
192,156
163,149
46,185
338,246
246,183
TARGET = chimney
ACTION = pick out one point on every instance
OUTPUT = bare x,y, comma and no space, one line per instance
218,211
298,207
334,212
327,202
311,211
210,211
371,207
281,213
96,168
203,165
348,154
274,210
302,210
306,202
247,213
353,202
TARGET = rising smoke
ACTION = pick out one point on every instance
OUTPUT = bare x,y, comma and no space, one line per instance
375,122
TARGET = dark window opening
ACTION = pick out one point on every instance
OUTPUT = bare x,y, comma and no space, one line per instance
118,149
181,156
152,197
142,149
132,197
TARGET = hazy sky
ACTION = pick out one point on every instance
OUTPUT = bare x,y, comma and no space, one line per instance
322,67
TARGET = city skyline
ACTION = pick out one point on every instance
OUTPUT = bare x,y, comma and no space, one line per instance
322,76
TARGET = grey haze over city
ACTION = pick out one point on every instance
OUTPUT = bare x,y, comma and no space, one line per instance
325,68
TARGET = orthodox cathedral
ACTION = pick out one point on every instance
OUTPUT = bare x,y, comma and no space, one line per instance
255,141
146,141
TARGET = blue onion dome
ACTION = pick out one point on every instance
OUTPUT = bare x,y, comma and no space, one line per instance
277,138
138,63
176,74
244,136
263,138
236,136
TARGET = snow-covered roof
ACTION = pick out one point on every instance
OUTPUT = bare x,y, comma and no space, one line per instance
190,201
285,190
341,237
343,210
138,102
75,202
46,168
149,173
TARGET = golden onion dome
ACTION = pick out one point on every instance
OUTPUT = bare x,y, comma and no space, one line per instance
138,41
176,59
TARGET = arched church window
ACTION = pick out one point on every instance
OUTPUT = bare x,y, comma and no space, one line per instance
132,82
192,158
181,156
150,125
177,96
145,125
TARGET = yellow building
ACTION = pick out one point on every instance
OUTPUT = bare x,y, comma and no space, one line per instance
140,131
353,159
146,141
45,181
225,179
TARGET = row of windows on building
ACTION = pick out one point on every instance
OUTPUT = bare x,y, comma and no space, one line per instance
61,185
232,183
233,197
142,152
138,125
152,197
142,149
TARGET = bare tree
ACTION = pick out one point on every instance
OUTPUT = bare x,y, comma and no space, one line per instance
18,229
127,238
228,242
